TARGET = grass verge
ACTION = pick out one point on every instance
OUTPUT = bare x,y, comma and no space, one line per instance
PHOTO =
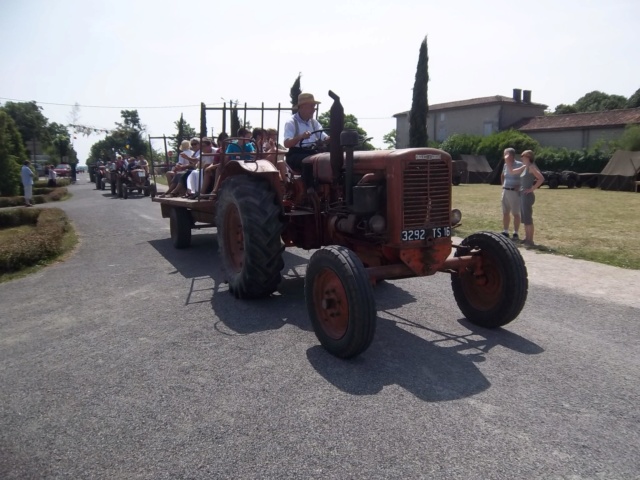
31,239
41,194
590,224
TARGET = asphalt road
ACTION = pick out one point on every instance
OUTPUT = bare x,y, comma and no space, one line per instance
130,360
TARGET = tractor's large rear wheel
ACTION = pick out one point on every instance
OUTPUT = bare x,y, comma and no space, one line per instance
497,296
340,301
249,229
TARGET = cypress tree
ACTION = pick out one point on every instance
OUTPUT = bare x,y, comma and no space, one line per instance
419,106
294,92
203,125
234,120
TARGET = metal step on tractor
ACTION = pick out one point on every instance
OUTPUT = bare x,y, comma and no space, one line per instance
369,216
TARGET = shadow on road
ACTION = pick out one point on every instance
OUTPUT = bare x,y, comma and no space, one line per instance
437,368
431,372
433,365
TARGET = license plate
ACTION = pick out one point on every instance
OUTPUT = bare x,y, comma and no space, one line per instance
141,174
424,233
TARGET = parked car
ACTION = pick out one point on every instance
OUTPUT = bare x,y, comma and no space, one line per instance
63,170
81,169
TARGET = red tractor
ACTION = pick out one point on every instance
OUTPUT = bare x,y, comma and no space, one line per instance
133,178
373,215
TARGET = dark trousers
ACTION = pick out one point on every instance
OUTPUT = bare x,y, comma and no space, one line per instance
295,155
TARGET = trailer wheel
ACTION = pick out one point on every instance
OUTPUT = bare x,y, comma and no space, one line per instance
249,229
180,225
340,301
98,181
125,191
153,190
119,187
496,297
553,182
113,186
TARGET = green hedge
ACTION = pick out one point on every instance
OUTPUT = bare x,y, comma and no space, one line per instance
54,195
42,242
581,161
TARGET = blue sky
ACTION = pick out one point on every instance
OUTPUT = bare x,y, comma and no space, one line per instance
178,54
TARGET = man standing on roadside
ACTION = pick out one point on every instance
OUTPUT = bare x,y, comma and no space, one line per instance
27,176
510,194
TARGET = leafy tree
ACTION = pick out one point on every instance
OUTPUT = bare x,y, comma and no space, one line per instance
390,138
62,146
350,121
12,154
598,101
126,138
131,121
29,120
493,146
294,92
634,100
184,132
563,109
630,139
461,143
419,106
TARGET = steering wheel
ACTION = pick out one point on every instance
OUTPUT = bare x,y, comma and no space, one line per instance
319,143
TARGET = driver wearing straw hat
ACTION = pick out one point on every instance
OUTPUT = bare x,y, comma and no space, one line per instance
299,136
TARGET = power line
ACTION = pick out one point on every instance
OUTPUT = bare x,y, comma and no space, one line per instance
96,106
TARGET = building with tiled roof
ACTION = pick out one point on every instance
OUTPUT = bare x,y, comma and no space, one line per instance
477,116
578,130
486,115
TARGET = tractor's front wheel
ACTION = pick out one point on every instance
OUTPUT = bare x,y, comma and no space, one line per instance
249,229
498,293
340,301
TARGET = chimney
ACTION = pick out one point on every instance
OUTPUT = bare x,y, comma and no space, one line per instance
516,94
526,96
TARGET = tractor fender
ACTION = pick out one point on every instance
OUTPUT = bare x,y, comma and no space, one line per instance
260,168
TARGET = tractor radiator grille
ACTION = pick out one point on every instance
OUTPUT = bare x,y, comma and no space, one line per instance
427,186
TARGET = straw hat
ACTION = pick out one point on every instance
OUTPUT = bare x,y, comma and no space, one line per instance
305,98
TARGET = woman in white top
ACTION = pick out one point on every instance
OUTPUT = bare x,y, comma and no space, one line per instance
206,155
182,162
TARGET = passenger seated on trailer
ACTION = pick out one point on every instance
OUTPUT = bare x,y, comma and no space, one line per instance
276,152
259,136
193,180
178,185
181,163
297,132
210,171
241,145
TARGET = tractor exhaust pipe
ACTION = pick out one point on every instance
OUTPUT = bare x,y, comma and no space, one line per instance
336,124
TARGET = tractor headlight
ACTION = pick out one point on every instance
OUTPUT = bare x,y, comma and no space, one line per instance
456,216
